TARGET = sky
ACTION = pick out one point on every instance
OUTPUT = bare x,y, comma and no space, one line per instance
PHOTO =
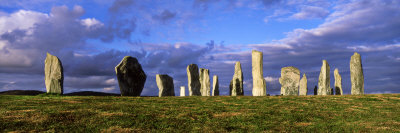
91,37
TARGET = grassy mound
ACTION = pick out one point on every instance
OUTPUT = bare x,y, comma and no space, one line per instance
368,113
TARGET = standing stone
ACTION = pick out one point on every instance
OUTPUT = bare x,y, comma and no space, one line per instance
205,82
193,80
315,90
259,86
131,77
236,85
324,79
215,86
289,80
338,82
165,85
53,74
332,93
356,75
303,86
182,90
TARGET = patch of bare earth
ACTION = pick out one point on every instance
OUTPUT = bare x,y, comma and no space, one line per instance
118,129
227,114
303,124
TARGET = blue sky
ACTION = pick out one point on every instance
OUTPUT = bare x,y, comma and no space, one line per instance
92,36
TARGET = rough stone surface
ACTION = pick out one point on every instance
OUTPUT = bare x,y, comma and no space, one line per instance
236,84
131,77
193,80
289,80
259,86
182,91
315,90
205,82
356,75
53,74
165,85
324,79
215,86
303,86
338,82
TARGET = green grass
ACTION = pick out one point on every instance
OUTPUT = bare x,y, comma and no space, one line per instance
368,113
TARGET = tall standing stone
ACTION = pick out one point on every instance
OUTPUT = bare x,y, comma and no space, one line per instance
205,82
289,80
193,80
338,82
131,77
356,75
165,85
303,86
215,86
53,74
236,85
324,79
315,90
182,91
259,86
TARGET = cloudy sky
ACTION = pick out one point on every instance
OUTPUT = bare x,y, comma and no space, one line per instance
91,37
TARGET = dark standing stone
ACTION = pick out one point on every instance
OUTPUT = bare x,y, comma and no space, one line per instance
315,90
131,77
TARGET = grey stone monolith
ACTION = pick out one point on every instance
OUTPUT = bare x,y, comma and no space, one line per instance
356,75
53,74
193,80
236,84
182,91
303,86
205,82
324,79
131,77
338,82
259,86
165,85
215,86
289,80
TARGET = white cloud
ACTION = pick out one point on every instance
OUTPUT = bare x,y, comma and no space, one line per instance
91,22
310,12
270,79
374,48
21,20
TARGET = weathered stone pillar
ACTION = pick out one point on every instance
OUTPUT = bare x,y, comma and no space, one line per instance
205,82
215,86
193,80
53,74
182,91
324,79
165,85
303,86
236,85
131,77
259,86
356,75
338,82
289,80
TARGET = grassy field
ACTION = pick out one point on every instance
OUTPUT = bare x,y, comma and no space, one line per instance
368,113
